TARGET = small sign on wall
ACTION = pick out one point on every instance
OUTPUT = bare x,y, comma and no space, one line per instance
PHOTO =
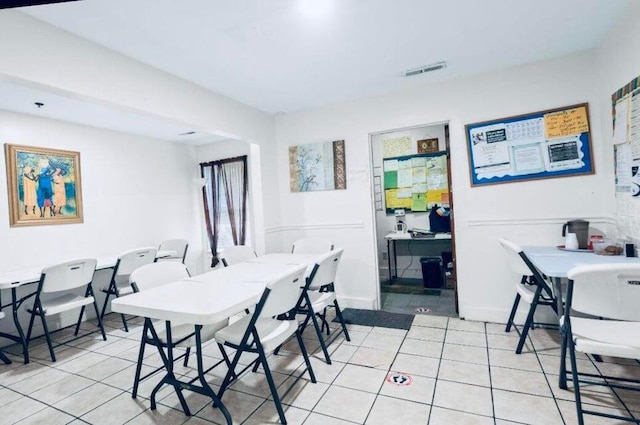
428,145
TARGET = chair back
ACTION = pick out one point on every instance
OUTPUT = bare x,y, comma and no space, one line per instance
283,293
130,260
157,274
180,246
611,291
513,254
312,246
237,254
69,275
325,269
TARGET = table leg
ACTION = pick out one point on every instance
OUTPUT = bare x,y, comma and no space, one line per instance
169,378
389,262
205,385
20,339
395,262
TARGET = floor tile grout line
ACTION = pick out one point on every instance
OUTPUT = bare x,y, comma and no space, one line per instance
435,382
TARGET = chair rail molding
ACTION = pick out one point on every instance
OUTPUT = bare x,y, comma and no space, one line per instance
535,221
323,226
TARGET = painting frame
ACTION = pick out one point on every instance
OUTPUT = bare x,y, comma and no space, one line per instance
317,167
50,206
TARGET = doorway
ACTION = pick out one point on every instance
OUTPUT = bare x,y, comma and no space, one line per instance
414,220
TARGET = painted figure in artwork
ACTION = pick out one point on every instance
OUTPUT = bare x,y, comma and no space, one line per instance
45,192
29,186
59,192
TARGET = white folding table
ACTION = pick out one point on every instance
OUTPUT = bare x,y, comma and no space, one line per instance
555,264
16,278
199,300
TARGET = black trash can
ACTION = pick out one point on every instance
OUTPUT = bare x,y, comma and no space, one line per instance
431,272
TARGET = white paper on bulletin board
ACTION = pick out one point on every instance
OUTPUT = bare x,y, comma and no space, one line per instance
399,146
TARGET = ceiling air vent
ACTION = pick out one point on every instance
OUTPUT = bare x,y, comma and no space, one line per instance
424,69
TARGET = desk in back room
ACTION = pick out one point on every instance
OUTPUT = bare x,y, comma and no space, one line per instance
394,237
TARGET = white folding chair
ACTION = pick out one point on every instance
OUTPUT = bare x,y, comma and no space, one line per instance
119,285
59,285
608,294
179,246
319,294
265,330
312,246
3,357
237,254
531,288
151,276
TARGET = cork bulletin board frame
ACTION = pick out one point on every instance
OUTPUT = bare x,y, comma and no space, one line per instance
539,145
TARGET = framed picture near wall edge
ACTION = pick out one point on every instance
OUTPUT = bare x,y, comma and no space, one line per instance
545,144
44,186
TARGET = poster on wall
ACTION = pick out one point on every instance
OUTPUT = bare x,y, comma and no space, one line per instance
43,186
317,166
544,144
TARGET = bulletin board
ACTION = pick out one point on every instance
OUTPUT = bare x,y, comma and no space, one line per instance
625,104
415,182
545,144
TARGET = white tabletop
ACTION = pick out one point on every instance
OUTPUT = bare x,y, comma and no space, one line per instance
308,260
406,236
192,302
15,278
243,272
554,262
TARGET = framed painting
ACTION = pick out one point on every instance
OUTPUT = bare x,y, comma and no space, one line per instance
44,186
317,166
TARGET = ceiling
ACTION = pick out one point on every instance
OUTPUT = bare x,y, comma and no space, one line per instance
286,55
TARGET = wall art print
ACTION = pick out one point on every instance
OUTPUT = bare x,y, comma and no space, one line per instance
43,186
317,166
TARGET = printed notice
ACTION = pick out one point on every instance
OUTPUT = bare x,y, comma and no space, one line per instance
566,123
623,161
527,159
399,146
621,125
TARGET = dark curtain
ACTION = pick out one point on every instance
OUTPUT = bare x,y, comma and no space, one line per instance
227,179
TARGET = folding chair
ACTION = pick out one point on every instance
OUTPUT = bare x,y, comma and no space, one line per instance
237,254
63,280
126,264
3,357
319,294
179,246
609,295
312,246
531,288
265,330
151,276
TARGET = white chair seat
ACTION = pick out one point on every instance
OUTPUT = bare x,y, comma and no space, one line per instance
63,303
527,292
272,332
1,315
181,330
606,337
321,300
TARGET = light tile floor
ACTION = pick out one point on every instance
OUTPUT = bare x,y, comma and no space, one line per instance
460,372
441,305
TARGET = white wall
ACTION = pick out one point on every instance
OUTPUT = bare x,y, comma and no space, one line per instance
136,192
39,55
618,60
528,212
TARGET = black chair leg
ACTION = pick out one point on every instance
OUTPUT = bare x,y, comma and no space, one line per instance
100,325
344,326
303,349
272,386
562,379
46,334
79,320
529,321
4,358
576,383
323,345
186,357
143,343
512,315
